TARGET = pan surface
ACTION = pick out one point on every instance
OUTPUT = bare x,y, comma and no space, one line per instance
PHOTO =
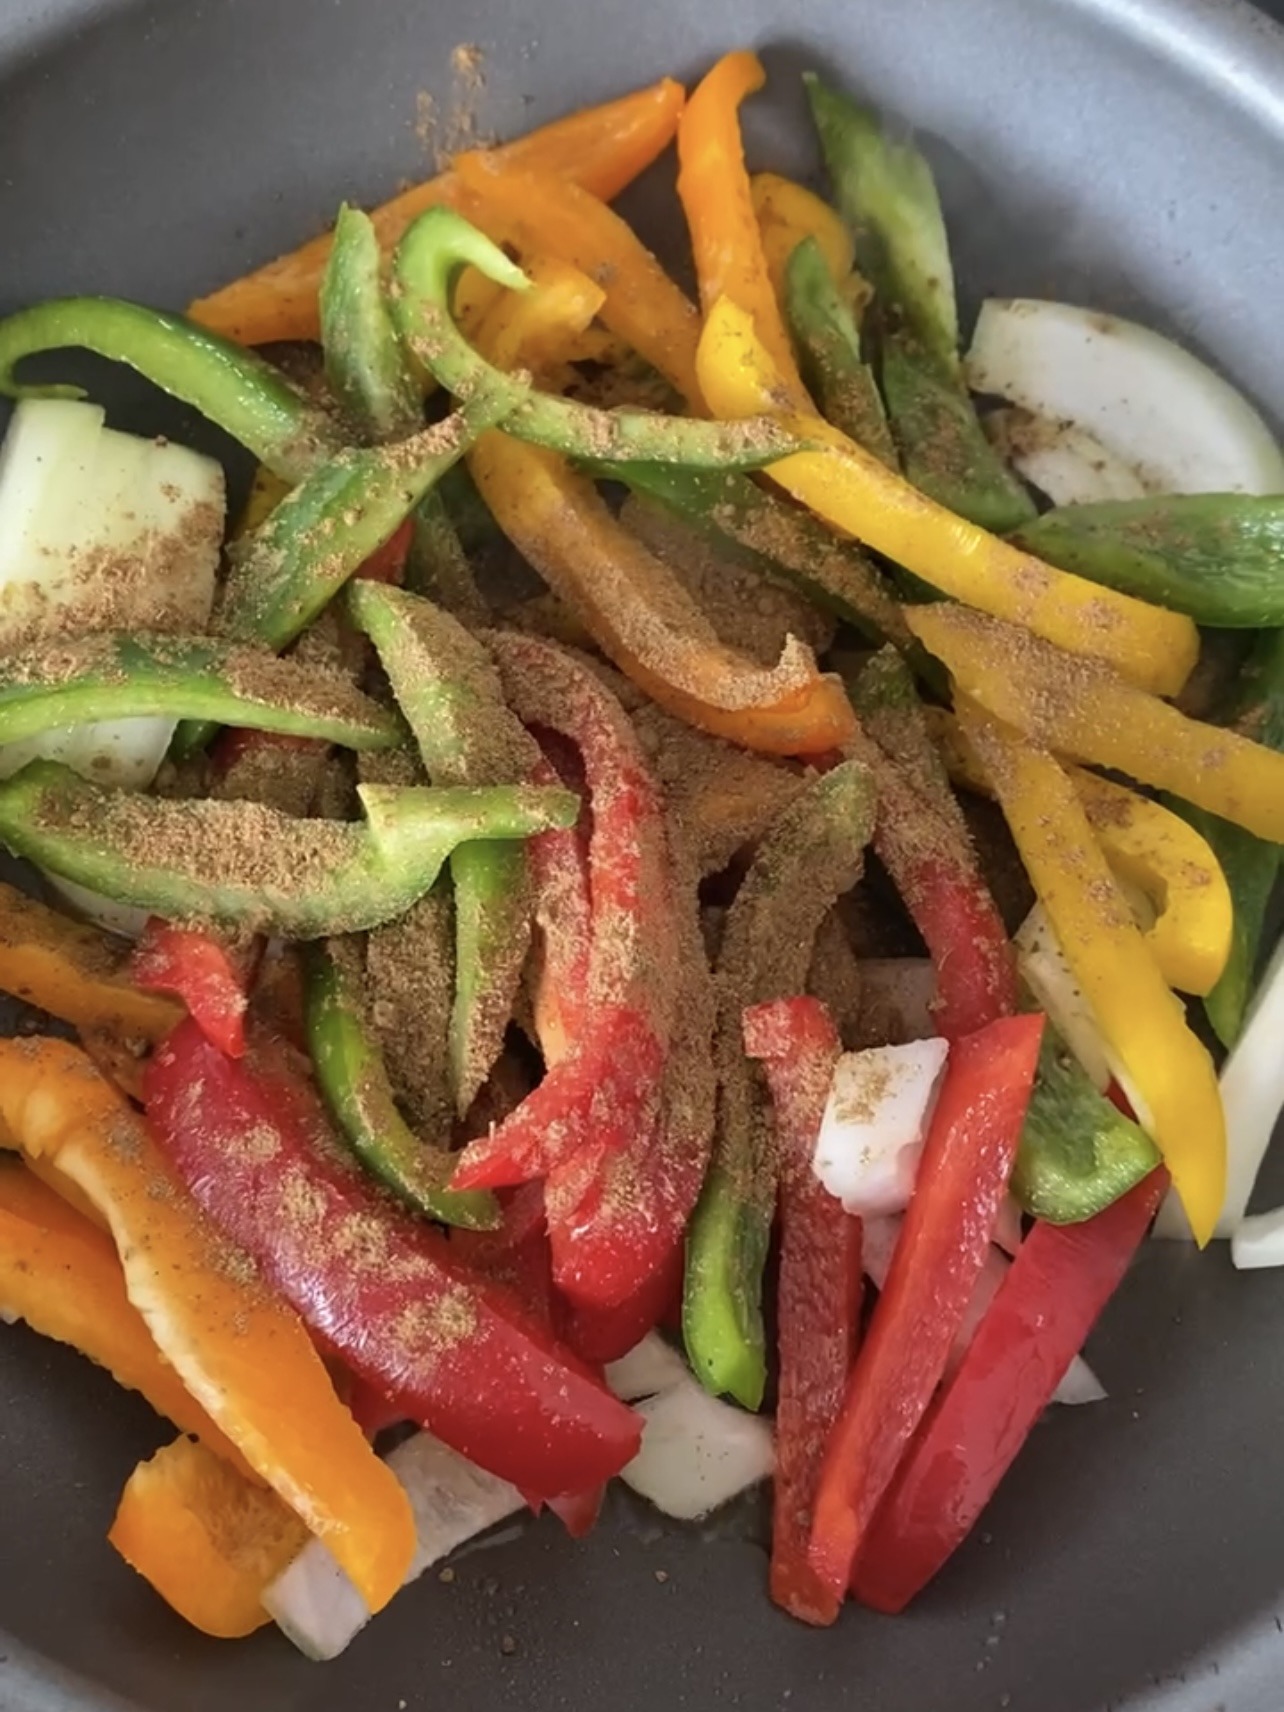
1128,154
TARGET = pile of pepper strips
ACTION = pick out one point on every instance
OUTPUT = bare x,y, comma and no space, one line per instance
270,1223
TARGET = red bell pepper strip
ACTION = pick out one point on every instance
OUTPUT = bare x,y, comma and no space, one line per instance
197,967
605,1087
819,1294
599,1335
456,1351
1061,1279
967,1160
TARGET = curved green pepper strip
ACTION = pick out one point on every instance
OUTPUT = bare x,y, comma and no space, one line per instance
250,866
755,528
364,360
1214,556
812,853
829,353
432,252
231,386
452,699
1078,1152
1251,865
91,678
354,1084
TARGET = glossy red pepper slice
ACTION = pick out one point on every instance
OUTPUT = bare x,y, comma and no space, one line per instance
455,1350
1061,1279
198,968
599,1335
967,1160
818,1297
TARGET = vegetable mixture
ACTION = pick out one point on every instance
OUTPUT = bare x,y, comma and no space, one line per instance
537,1026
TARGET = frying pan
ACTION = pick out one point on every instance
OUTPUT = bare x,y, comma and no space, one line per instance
1125,153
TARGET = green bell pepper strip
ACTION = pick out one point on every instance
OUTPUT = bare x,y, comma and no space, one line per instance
365,364
811,855
1078,1152
450,693
829,353
433,250
437,566
752,527
943,448
91,678
886,193
231,386
1214,556
1251,865
354,1083
888,707
241,863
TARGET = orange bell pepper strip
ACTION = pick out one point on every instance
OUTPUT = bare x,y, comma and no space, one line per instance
787,213
1082,709
75,972
858,495
713,187
602,148
240,1352
61,1275
540,214
1147,846
1165,1071
632,605
207,1540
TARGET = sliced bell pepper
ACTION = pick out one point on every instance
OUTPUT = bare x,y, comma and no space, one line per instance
1048,1302
251,866
1166,1073
606,1084
241,1353
354,1082
365,365
380,1287
813,853
788,214
61,1274
196,967
564,927
451,698
437,565
602,148
852,491
831,354
75,972
607,1334
713,187
430,255
818,1297
208,1541
1082,709
967,1159
1149,847
547,215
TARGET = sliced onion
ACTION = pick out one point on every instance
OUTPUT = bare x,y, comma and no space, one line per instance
1259,1241
650,1368
1048,975
1062,461
697,1452
1146,400
875,1122
314,1603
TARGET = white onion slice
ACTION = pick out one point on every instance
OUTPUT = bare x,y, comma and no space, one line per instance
1048,975
1259,1241
875,1122
697,1452
1149,402
1062,461
650,1367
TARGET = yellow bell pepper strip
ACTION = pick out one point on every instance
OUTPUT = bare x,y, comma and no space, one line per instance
543,215
1147,846
1166,1073
632,605
787,213
75,972
61,1275
207,1540
1080,708
243,1355
714,190
854,492
602,148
